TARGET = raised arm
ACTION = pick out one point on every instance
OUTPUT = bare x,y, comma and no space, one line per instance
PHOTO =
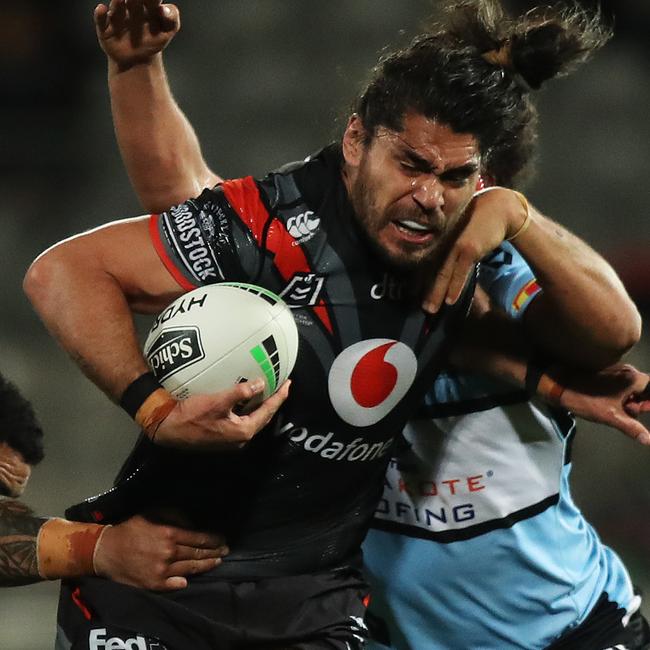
584,316
160,149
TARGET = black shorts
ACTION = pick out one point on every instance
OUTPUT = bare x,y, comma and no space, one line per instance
318,611
607,628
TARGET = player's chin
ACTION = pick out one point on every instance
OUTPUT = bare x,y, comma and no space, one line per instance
409,257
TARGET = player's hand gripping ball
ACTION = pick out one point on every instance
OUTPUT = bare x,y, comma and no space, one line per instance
216,336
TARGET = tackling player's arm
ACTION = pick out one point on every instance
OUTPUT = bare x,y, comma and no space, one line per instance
160,149
136,552
85,289
584,315
498,346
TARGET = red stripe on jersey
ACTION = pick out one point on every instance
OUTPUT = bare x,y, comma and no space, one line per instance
76,599
164,258
244,198
484,181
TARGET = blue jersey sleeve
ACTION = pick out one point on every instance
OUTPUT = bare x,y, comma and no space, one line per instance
508,280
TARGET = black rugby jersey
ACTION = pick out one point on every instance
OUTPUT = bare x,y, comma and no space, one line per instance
300,495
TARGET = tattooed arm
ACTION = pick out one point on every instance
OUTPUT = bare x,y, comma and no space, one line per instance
18,534
136,552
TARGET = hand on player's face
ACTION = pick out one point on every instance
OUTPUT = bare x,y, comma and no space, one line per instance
491,217
211,421
133,31
142,554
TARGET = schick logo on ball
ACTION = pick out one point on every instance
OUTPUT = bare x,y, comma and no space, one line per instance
175,349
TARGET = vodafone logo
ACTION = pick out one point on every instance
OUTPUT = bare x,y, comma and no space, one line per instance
369,378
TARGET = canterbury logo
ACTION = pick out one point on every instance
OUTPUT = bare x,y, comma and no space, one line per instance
303,225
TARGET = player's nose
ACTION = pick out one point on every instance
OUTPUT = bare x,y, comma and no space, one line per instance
428,192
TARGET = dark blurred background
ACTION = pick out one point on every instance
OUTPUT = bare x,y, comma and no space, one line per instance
264,82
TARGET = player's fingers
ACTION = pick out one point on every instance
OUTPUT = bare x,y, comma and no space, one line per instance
639,402
170,18
263,413
634,429
210,541
117,14
195,553
100,16
174,583
241,393
462,269
152,7
151,13
192,567
137,19
436,294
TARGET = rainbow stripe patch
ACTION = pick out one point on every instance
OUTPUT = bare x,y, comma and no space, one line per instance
525,294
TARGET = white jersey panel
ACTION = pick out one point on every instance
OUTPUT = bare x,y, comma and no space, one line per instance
506,460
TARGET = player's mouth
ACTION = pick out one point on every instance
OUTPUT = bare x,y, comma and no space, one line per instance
413,232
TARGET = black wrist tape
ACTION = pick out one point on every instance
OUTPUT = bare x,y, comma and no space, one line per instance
138,391
534,373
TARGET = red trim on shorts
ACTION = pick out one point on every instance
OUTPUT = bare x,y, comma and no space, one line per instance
164,257
289,258
76,599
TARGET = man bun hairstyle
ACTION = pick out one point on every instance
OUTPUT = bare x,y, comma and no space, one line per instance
475,69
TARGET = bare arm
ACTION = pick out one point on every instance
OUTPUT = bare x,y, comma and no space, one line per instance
584,316
136,552
85,288
497,346
18,533
160,150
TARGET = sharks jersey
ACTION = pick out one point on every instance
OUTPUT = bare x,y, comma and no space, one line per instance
476,542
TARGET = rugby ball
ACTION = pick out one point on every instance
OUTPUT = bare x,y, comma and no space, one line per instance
216,336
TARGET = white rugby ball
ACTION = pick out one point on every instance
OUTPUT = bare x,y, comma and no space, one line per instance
216,336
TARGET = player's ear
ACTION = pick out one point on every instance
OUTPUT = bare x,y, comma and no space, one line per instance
354,141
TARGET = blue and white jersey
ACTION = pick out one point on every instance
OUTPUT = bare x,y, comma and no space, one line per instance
476,543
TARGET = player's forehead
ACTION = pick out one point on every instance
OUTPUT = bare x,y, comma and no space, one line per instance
431,141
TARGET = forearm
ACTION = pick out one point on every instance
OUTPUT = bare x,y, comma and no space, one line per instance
159,147
18,535
584,315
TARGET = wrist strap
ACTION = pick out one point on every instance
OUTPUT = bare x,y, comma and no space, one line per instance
138,391
65,549
538,382
154,410
550,390
534,373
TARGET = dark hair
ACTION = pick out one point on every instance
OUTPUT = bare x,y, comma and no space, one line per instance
475,71
19,427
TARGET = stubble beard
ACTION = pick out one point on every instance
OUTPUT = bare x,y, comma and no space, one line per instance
412,259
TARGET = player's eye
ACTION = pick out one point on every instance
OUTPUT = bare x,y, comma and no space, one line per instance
456,179
408,167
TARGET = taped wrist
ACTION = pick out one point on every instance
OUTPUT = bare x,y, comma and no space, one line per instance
147,402
539,382
138,391
65,549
